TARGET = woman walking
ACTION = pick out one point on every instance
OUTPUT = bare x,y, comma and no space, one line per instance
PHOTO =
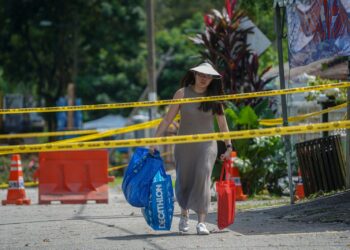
195,161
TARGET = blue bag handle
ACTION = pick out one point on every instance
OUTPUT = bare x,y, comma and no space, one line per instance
139,165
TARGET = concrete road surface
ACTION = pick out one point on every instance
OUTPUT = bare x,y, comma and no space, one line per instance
323,224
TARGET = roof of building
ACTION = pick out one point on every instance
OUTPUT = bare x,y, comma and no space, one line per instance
332,68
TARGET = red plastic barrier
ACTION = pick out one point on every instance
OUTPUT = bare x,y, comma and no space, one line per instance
73,177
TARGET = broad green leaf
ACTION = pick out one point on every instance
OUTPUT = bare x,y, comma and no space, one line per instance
248,118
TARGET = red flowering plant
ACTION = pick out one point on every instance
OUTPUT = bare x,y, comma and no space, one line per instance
225,45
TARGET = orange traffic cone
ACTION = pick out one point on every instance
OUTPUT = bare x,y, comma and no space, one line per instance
16,193
237,179
299,189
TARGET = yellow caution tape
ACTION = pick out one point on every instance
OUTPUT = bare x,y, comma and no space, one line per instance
44,134
278,121
111,132
96,133
317,127
31,184
176,101
125,165
117,167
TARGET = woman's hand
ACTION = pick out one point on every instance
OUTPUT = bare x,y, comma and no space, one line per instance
227,154
152,149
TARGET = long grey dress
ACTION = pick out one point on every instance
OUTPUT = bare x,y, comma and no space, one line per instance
194,161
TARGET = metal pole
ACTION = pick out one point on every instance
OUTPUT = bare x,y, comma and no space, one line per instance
70,102
347,157
151,65
324,119
287,143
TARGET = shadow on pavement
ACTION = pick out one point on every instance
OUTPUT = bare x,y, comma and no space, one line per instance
143,236
86,218
330,213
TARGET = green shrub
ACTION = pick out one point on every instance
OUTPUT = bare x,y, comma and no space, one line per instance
261,160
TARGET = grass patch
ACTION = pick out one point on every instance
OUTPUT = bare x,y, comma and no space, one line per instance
264,197
320,194
117,182
259,204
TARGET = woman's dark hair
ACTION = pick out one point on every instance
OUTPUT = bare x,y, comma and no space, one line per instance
213,89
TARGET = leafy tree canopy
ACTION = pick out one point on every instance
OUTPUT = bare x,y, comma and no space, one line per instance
101,46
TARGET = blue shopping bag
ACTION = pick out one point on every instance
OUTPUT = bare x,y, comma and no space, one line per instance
139,175
159,212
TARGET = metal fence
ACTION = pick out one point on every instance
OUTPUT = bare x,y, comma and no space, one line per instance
322,164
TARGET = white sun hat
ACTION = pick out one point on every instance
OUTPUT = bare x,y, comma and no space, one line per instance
206,68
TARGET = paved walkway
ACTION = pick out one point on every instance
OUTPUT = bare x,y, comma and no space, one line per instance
117,225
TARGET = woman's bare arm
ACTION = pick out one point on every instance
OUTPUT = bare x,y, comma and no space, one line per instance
221,119
169,117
